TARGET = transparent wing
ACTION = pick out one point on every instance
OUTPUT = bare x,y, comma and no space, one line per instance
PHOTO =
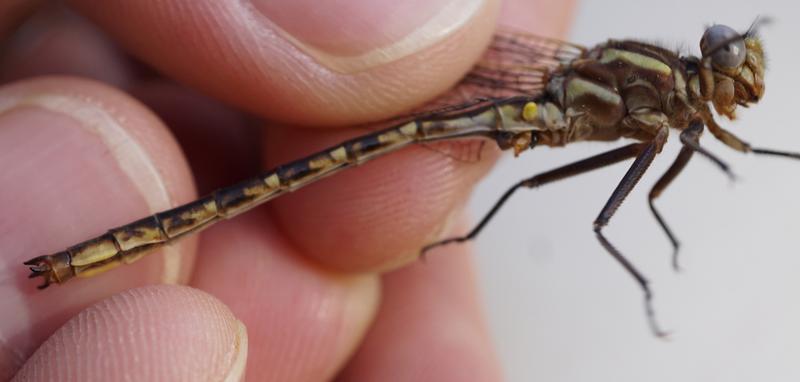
517,64
514,64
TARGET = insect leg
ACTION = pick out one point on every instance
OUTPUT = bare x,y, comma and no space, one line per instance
738,144
572,169
635,172
677,166
691,135
775,153
691,139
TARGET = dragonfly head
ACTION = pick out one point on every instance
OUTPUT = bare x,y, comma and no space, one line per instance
731,70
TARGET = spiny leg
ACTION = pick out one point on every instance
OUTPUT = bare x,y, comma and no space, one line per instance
736,143
572,169
634,174
677,166
690,137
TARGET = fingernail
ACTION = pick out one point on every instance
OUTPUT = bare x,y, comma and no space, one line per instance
354,35
44,153
78,143
71,170
238,366
54,172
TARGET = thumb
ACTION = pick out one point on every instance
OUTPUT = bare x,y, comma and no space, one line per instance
156,333
306,62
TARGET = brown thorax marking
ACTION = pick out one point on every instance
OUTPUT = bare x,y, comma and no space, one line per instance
619,89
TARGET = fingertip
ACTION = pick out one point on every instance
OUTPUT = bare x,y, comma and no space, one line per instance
153,333
13,13
542,17
235,52
303,322
221,145
430,326
83,155
377,216
78,158
54,40
378,31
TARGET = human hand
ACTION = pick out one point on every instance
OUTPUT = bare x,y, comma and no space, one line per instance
314,277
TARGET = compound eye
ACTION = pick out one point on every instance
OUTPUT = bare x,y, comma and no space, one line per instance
725,45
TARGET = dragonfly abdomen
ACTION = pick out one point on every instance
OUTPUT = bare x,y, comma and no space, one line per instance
505,121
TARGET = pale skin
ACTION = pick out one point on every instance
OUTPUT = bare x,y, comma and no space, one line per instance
321,284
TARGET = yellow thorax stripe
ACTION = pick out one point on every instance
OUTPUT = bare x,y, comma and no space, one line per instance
578,87
636,59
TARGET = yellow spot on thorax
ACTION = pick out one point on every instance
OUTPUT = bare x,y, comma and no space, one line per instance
530,111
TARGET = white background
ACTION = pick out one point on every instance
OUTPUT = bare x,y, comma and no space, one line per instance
561,309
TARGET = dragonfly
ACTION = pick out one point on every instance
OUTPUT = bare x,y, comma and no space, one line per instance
538,91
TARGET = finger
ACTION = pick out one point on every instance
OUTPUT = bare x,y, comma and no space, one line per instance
429,327
373,217
303,322
13,13
78,158
221,145
56,41
376,216
519,14
157,333
306,62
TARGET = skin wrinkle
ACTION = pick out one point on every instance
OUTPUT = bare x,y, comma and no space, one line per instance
363,206
253,47
101,337
398,85
345,327
238,48
420,38
349,85
41,315
19,356
442,180
237,369
26,315
258,60
32,320
293,347
115,310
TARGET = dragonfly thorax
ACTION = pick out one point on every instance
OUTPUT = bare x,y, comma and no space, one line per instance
617,89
